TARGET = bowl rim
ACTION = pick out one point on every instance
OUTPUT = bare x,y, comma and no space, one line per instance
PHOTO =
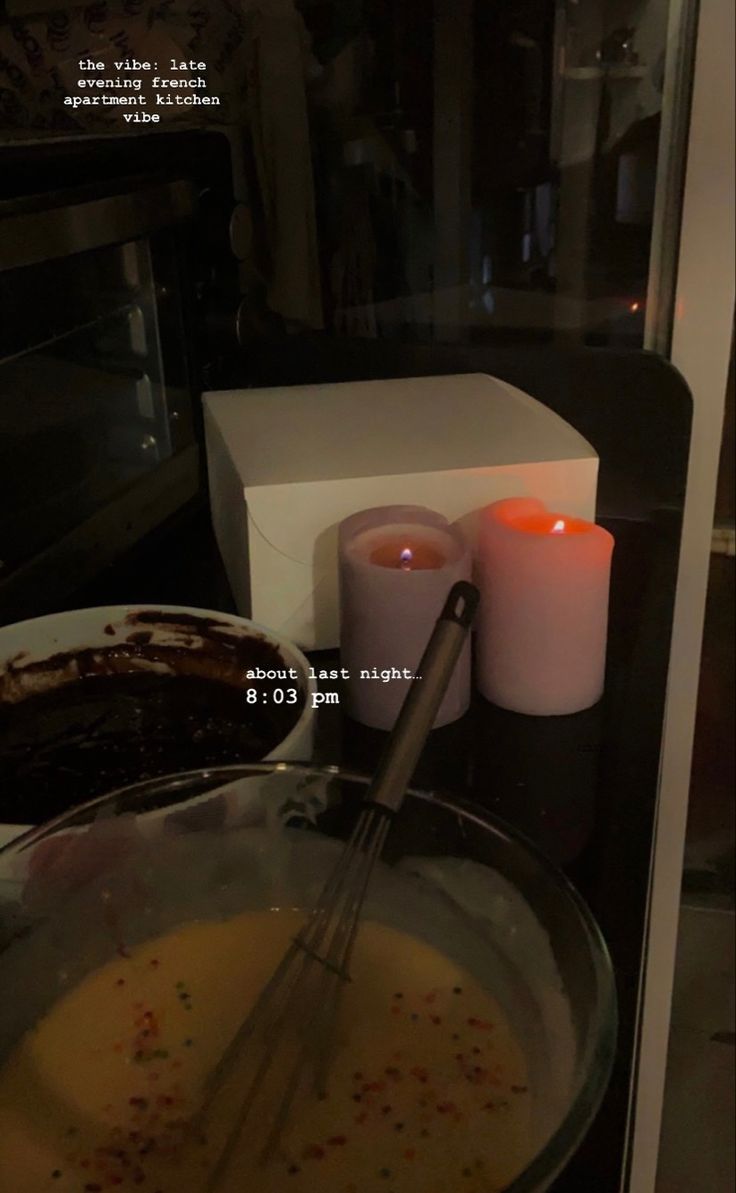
111,614
562,1144
564,1141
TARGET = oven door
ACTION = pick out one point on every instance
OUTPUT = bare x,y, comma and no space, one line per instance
96,437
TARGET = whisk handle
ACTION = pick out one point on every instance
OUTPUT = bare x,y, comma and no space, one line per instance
424,697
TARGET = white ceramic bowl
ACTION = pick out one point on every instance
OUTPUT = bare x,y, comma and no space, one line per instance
27,642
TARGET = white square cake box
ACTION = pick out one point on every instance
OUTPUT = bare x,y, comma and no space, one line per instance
286,465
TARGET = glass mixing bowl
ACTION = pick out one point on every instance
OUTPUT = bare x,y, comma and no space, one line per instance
123,868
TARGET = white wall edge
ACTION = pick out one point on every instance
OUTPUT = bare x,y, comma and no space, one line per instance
701,346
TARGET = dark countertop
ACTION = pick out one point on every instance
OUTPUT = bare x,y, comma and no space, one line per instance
583,787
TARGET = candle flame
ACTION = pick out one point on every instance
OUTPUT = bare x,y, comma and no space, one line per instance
634,306
559,526
406,557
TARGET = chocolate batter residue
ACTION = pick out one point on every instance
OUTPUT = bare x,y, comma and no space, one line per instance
79,724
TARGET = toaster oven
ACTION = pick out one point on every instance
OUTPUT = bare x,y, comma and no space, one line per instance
104,289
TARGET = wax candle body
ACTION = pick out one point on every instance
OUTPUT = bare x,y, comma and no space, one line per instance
397,565
544,581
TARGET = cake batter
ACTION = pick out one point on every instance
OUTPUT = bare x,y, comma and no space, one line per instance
427,1092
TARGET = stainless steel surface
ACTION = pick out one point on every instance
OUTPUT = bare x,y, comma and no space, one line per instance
423,699
31,237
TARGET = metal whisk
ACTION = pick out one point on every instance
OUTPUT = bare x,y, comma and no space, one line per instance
297,1007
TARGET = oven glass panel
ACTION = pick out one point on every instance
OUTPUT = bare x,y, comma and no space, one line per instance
84,411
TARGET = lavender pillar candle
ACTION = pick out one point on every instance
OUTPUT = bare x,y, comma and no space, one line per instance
397,564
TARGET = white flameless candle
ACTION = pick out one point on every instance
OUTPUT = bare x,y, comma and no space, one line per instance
397,565
544,580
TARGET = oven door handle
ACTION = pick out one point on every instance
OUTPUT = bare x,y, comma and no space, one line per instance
27,238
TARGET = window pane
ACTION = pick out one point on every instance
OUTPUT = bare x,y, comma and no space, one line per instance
488,171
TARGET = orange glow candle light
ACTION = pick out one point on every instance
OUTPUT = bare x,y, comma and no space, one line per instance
397,565
544,579
408,554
